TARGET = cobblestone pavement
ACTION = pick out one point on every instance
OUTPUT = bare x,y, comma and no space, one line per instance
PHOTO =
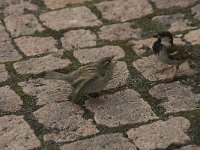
139,109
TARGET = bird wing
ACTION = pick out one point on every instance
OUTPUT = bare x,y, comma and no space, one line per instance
177,52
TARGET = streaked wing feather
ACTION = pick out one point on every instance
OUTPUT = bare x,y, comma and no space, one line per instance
177,53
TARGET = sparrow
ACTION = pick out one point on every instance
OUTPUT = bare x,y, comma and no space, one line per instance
168,52
91,78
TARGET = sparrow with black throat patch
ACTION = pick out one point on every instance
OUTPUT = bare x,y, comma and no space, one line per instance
168,52
91,78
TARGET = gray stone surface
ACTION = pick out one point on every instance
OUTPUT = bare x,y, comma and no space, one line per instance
177,22
173,3
160,134
9,100
41,64
94,54
151,68
120,31
193,37
36,45
124,107
8,52
15,133
56,4
78,39
22,25
19,9
47,91
196,11
67,117
5,3
176,97
120,76
3,34
69,18
107,142
122,10
3,73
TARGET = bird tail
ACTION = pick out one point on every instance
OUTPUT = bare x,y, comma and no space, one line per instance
55,75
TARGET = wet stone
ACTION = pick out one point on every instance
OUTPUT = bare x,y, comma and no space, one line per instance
15,133
160,134
189,147
67,117
173,3
94,54
120,76
121,31
3,73
109,141
193,37
19,9
36,45
122,10
152,69
8,52
9,100
47,91
121,108
176,22
75,39
196,11
52,4
69,18
41,64
22,25
176,97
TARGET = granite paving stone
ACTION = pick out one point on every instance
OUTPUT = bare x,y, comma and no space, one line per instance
196,11
6,3
152,69
15,133
122,31
120,108
8,52
4,36
193,37
94,54
31,46
75,39
47,91
160,134
107,142
9,100
176,97
67,117
19,9
171,3
37,65
3,73
69,18
177,22
122,10
22,25
52,4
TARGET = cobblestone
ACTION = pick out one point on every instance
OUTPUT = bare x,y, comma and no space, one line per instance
41,64
9,100
160,134
16,134
121,108
66,117
69,18
172,3
3,73
94,54
108,141
47,91
78,39
175,97
119,32
36,45
193,36
196,11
